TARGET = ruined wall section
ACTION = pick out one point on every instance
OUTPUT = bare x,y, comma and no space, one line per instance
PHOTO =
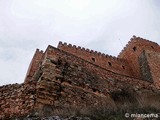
17,100
134,49
68,80
111,63
34,65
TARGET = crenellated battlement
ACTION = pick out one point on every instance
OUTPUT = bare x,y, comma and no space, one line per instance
137,40
105,61
134,38
39,51
79,48
127,58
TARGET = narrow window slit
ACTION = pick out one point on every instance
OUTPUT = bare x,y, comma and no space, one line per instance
93,59
123,67
134,48
109,63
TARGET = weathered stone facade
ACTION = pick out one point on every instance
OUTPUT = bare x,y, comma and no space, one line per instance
72,77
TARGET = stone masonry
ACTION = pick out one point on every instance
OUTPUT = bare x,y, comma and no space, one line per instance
73,77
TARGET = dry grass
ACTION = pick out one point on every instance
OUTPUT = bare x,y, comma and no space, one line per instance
113,107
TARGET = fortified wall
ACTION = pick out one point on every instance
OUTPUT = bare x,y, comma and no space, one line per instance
70,77
105,61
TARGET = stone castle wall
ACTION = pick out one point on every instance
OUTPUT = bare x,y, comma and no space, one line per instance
70,76
111,63
17,100
68,80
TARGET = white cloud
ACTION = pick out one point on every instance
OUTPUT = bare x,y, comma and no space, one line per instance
95,24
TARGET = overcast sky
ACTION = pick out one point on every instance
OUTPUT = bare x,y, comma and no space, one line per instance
95,24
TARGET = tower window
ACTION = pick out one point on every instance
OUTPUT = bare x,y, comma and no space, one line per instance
93,59
134,48
152,47
109,63
123,67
